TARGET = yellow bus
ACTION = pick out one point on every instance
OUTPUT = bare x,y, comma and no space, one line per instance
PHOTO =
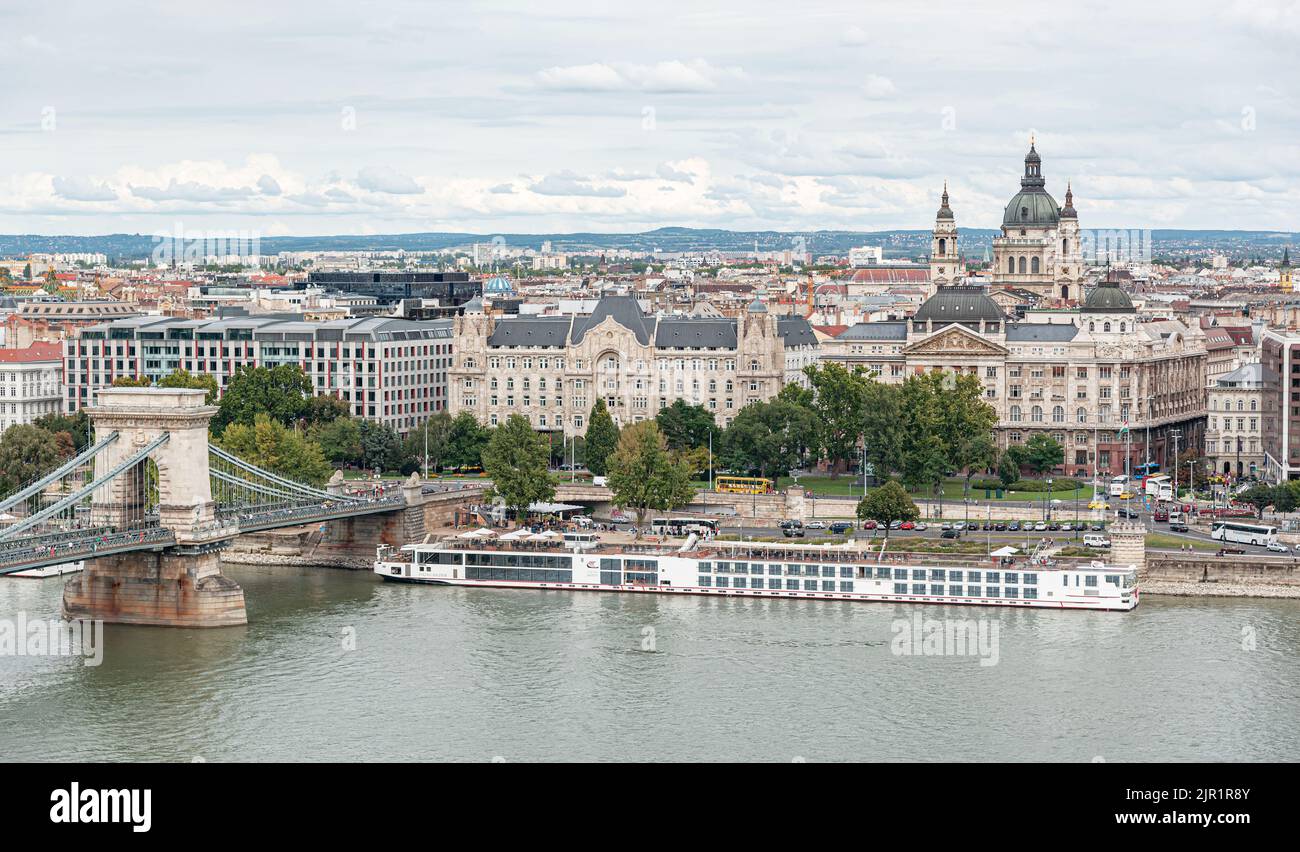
743,485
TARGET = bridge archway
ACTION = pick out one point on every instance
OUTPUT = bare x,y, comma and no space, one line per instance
141,416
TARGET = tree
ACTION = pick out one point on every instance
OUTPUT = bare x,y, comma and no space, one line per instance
432,437
133,382
339,441
768,438
686,426
77,425
887,504
279,392
643,474
272,446
883,427
185,379
381,447
325,409
601,438
465,441
1042,453
1009,468
838,401
516,458
26,453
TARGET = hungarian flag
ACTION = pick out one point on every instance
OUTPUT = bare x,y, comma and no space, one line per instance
1123,430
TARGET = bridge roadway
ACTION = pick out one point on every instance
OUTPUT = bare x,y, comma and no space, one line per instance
24,553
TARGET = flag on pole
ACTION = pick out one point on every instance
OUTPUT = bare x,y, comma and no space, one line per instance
1123,429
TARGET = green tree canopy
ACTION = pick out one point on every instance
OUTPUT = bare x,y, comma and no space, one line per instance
769,438
517,459
279,392
601,439
182,378
685,427
133,382
1009,468
644,475
381,447
340,441
432,436
27,452
838,399
1041,453
466,440
325,408
76,425
887,504
271,445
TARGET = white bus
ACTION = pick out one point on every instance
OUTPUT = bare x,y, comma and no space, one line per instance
1160,487
1118,485
684,526
1259,535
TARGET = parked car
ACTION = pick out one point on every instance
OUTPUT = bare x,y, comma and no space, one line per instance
1127,513
946,526
841,527
791,524
1054,526
894,525
1096,541
921,526
960,526
1014,526
1230,551
794,532
907,525
950,533
1000,526
1040,527
1161,515
815,525
868,525
1096,528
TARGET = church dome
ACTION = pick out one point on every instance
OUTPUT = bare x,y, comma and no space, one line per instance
959,304
498,285
757,307
1031,207
1108,298
945,212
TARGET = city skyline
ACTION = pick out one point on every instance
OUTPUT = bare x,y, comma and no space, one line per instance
507,120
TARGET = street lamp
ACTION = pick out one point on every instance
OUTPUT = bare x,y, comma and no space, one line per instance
1046,496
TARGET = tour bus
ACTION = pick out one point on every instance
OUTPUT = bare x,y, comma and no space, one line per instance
1259,535
1119,485
743,485
1160,487
684,526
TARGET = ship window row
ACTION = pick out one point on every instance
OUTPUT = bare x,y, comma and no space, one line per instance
528,575
788,584
428,558
957,576
791,569
965,591
520,560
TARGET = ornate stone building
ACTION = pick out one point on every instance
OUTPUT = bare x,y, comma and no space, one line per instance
551,369
1039,248
1234,435
945,261
1078,375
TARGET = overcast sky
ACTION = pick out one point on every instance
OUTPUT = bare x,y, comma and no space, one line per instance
323,117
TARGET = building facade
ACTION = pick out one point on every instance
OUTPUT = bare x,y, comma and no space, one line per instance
29,383
1233,432
552,369
1080,376
391,371
1280,403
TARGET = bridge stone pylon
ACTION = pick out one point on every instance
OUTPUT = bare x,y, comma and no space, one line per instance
139,415
178,584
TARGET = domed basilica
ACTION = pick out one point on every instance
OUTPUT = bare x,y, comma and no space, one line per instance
1039,248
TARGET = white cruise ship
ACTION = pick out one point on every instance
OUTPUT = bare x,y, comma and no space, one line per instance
582,562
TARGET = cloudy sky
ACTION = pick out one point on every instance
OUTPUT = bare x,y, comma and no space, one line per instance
322,117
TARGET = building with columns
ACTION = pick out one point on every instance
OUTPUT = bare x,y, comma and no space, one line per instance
552,369
1233,433
1079,375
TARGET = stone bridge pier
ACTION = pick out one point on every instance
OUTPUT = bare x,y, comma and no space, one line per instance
177,585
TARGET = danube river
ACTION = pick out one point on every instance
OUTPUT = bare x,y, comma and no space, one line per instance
336,665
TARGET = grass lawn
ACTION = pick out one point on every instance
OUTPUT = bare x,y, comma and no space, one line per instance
844,486
1173,542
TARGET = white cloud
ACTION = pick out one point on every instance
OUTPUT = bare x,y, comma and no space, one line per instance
667,77
853,36
877,87
568,183
83,189
388,180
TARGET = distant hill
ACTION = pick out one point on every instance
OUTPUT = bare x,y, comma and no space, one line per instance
896,243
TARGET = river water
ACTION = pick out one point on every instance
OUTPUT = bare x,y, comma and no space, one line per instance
337,665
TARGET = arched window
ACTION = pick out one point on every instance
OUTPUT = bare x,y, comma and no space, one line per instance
1011,264
1065,291
753,365
1105,327
1081,414
1065,247
1123,327
1058,414
943,246
1037,414
1015,414
1022,265
1033,265
1092,326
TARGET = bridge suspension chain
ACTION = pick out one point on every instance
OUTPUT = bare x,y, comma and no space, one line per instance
307,491
58,473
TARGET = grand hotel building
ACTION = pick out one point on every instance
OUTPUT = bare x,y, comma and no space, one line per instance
552,369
